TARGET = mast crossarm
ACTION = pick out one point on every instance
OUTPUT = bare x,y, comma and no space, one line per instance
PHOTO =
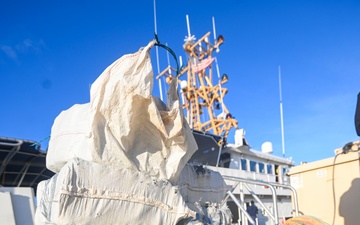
202,47
203,100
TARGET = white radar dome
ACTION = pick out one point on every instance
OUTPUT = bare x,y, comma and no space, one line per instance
267,147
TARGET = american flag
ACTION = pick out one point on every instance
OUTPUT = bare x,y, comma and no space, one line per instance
203,64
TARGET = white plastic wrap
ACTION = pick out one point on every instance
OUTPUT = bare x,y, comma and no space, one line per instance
120,158
90,193
200,185
124,125
70,137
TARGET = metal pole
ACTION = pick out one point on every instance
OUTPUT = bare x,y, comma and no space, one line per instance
294,195
188,26
157,53
236,201
276,216
220,149
281,116
259,201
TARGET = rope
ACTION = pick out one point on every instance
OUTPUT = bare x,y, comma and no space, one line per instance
38,142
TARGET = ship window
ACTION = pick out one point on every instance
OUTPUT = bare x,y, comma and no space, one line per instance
261,167
269,169
234,164
252,166
225,160
284,171
243,164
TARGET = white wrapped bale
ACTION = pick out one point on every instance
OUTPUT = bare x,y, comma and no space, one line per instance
200,185
70,137
90,193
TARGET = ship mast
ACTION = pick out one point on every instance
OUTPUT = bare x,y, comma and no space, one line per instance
203,100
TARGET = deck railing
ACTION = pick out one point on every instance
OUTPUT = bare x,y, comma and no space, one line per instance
242,182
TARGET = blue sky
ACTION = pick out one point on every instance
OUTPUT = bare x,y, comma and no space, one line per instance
52,51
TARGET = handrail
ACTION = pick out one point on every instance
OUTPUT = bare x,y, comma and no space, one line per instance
260,202
294,195
232,196
273,216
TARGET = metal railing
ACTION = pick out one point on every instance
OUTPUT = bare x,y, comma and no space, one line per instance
274,216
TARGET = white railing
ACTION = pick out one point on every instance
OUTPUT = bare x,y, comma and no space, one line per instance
243,182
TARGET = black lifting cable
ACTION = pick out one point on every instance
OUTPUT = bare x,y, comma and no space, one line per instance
157,43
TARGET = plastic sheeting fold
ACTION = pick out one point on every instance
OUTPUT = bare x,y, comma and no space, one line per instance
124,125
